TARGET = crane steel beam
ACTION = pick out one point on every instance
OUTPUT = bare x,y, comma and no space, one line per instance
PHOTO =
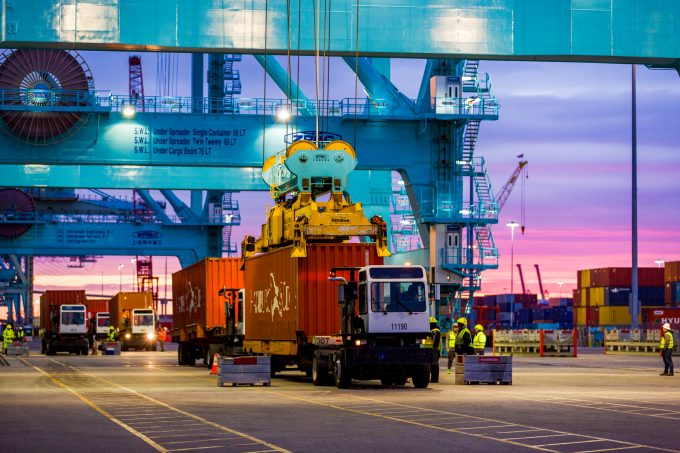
617,31
378,87
285,83
60,239
161,152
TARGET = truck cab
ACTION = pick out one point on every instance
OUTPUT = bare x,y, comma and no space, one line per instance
392,299
140,332
101,326
384,320
71,330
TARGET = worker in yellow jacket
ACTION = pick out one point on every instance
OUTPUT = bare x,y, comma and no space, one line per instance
666,346
7,337
479,341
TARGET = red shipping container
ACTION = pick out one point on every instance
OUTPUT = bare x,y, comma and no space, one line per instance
654,318
50,302
95,306
286,295
195,298
621,277
672,271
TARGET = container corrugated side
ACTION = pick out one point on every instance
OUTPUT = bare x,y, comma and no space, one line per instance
656,317
596,297
195,298
54,298
672,271
127,301
95,306
285,295
621,277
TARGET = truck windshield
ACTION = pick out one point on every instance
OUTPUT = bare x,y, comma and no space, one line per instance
102,321
73,318
398,296
143,319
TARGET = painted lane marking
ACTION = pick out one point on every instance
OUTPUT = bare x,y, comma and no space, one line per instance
270,447
339,404
602,406
608,449
570,443
118,422
554,435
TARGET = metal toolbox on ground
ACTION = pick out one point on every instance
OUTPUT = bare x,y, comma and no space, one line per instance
17,348
480,369
110,348
244,370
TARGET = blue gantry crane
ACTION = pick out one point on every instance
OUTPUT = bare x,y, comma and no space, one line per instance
61,132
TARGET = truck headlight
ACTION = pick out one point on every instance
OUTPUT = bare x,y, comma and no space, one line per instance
150,336
128,336
359,342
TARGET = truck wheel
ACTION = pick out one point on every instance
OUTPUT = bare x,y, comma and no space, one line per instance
319,370
421,377
43,347
84,349
180,355
343,376
50,350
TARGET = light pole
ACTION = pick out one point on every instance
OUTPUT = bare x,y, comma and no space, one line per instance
512,226
659,263
132,262
560,283
120,271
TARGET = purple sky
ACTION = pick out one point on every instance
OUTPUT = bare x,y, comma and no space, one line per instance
572,123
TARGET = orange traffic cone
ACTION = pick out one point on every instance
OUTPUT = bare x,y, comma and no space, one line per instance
214,365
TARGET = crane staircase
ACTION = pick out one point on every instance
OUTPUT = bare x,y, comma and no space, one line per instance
232,217
232,82
479,252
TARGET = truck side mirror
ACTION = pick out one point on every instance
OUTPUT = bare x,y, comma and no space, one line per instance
341,294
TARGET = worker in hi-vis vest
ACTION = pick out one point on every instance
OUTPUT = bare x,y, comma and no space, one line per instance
666,346
479,341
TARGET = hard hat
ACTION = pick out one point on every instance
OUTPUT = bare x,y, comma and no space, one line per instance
433,320
667,326
462,321
479,327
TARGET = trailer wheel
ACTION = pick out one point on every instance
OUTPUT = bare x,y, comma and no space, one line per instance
43,346
84,350
343,376
319,369
50,350
421,377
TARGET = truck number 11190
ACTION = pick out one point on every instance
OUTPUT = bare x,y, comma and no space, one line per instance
399,326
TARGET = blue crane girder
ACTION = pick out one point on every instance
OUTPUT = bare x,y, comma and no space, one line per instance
167,151
619,31
121,239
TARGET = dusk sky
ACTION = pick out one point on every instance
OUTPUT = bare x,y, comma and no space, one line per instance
572,123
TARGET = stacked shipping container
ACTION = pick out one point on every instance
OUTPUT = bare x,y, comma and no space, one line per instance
672,283
603,295
528,313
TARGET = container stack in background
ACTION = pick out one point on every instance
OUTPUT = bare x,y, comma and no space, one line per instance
529,313
672,283
602,295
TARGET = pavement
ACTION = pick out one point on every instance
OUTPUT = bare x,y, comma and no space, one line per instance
144,401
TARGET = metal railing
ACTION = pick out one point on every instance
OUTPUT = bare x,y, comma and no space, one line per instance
458,258
102,100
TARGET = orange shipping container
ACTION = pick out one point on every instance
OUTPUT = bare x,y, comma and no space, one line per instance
127,301
50,302
286,295
672,272
195,298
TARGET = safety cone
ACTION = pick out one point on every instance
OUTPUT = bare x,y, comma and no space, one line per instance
214,365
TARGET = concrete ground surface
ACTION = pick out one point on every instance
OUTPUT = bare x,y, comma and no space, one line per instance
143,401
